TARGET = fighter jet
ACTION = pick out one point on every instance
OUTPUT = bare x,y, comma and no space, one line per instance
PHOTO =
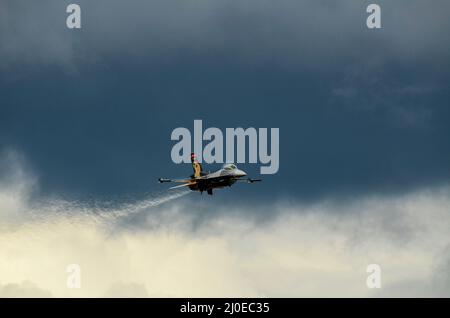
205,181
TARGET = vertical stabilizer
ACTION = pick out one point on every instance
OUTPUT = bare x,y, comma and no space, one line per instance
196,166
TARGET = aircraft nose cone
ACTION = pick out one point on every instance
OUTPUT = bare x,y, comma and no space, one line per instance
241,173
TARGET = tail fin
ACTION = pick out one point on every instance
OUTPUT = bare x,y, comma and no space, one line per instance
196,166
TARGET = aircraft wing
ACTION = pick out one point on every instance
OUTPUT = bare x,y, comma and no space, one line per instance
249,180
163,180
183,185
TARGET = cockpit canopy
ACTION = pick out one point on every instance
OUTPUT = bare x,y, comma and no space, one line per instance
229,166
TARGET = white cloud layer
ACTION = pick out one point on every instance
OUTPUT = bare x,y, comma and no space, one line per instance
317,250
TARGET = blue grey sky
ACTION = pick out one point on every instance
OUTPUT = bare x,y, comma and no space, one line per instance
360,111
85,123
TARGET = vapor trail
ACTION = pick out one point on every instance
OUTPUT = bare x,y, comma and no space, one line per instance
97,212
141,206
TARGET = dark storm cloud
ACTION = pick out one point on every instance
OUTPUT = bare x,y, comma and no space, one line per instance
358,110
285,31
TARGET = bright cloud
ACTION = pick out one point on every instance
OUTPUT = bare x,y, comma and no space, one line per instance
316,250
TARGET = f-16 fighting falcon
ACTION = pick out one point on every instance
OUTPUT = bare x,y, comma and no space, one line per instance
205,181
